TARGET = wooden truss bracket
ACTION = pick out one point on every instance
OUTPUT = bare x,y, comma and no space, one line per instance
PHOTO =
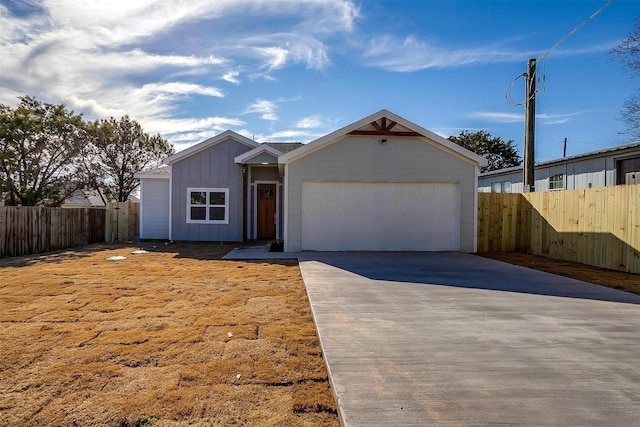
384,126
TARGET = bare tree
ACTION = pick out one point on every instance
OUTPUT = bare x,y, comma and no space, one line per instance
628,53
118,150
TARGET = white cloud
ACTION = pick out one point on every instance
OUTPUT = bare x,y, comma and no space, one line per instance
177,88
188,131
264,107
292,136
232,77
175,126
409,54
110,58
309,122
281,49
287,134
543,118
497,117
276,57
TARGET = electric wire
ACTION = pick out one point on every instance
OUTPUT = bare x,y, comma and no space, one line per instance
507,93
551,146
543,59
542,77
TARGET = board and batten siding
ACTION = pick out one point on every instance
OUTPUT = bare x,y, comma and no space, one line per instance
364,159
154,208
212,167
262,158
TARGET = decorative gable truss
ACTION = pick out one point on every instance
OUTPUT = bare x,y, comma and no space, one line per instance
386,127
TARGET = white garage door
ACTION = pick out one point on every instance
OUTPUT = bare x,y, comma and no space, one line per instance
380,216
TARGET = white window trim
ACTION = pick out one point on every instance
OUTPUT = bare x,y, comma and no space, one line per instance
563,182
207,205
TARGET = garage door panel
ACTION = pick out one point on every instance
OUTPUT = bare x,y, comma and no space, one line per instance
380,216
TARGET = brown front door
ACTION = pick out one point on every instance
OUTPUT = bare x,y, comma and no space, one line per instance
266,211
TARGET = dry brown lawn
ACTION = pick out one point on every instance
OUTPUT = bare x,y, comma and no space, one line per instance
170,338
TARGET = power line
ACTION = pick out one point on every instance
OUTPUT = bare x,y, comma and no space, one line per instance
596,13
550,146
543,80
543,58
507,93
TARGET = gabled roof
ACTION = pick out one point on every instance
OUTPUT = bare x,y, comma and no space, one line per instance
262,148
276,149
383,123
162,172
284,147
89,198
83,198
229,134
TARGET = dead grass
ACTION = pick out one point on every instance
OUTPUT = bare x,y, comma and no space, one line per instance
175,335
600,276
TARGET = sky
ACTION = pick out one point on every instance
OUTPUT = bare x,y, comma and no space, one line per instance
295,70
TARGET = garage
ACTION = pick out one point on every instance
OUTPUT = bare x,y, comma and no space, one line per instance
382,183
374,216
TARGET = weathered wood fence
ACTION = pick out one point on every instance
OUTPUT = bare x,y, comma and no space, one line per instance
597,226
122,221
26,230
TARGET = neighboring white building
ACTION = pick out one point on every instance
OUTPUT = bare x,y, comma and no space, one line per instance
603,168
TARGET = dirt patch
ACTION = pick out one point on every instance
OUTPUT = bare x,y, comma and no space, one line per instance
173,337
600,276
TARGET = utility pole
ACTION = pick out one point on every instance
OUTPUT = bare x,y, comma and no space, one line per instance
564,151
530,127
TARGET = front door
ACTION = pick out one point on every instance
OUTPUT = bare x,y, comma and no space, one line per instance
266,211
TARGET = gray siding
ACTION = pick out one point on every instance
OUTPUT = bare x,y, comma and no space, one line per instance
154,206
515,178
588,172
262,158
266,173
210,168
364,159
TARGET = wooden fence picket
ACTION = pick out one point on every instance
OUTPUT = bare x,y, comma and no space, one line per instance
26,230
596,226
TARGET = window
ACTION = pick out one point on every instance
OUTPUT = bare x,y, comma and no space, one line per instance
628,171
501,187
208,205
556,182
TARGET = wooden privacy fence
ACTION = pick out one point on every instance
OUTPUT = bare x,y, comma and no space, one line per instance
26,230
123,221
596,226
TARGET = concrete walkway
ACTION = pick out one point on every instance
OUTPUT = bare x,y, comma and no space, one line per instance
447,339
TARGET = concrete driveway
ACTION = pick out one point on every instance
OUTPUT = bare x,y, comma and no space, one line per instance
448,339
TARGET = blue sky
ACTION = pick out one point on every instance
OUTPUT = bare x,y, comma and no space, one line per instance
294,70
